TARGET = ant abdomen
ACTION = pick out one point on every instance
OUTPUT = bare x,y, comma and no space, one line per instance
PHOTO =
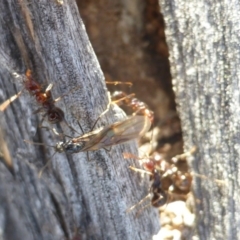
55,115
159,199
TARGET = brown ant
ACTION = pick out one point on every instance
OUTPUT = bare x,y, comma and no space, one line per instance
43,98
137,106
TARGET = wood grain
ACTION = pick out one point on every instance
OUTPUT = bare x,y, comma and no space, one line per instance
74,196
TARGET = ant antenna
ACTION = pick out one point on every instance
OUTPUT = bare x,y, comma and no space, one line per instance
49,88
65,94
48,161
36,143
80,127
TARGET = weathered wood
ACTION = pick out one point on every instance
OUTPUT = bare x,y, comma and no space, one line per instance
203,40
74,195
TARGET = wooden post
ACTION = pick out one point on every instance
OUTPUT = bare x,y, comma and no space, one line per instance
74,197
203,40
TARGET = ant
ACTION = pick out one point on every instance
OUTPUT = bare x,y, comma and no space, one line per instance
167,178
135,126
159,196
156,169
117,133
43,98
137,106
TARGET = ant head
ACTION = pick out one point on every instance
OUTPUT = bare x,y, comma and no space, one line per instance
149,165
55,115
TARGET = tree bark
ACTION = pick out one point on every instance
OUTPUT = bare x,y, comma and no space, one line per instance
74,197
203,40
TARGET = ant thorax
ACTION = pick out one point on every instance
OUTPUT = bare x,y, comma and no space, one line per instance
69,147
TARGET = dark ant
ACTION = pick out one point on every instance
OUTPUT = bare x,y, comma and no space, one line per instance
166,177
158,193
173,178
159,197
117,133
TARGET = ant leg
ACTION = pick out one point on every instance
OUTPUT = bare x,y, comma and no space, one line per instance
140,210
48,161
139,203
88,158
70,127
80,127
140,170
183,156
219,182
65,94
41,122
49,87
60,134
107,149
118,101
6,103
44,167
117,82
159,199
40,110
104,112
4,152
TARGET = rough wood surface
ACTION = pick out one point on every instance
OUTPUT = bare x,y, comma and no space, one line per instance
203,40
74,196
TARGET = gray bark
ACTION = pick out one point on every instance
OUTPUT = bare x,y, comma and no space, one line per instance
74,197
203,40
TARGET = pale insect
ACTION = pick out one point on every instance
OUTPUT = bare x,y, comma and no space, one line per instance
119,132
